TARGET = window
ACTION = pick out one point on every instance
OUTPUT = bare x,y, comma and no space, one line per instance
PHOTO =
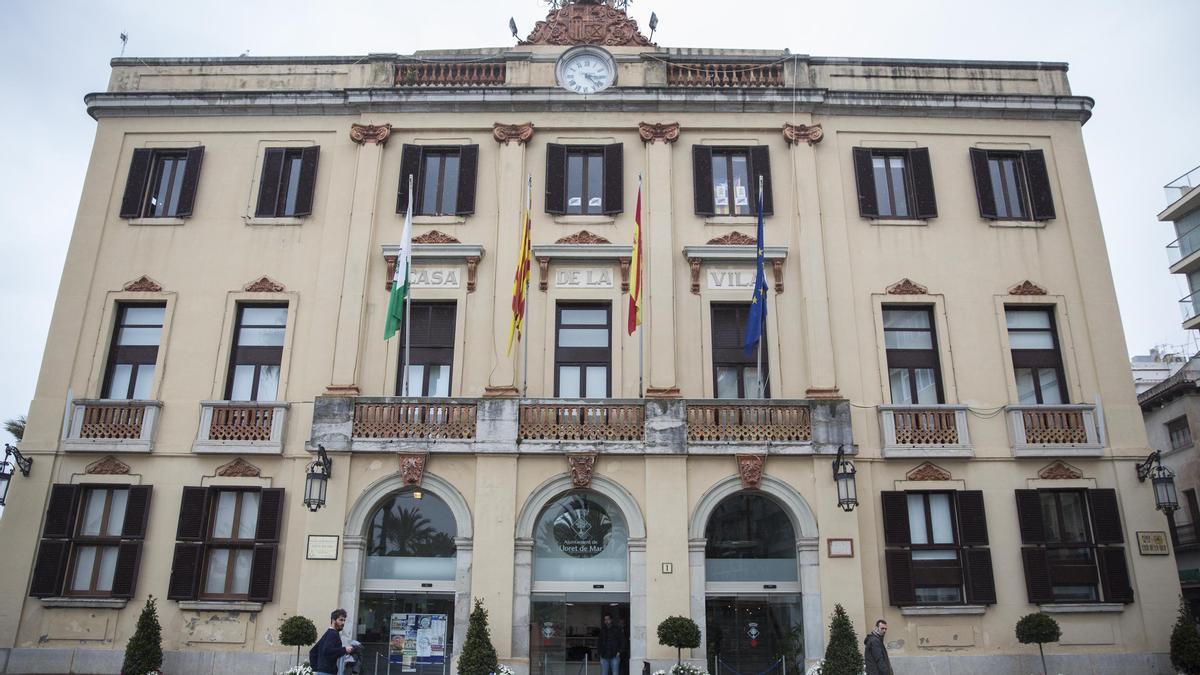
725,180
584,180
226,544
749,537
257,353
1180,433
134,351
1073,546
582,351
1035,357
937,548
735,373
91,541
162,183
894,183
411,536
913,371
443,179
1012,185
288,179
431,350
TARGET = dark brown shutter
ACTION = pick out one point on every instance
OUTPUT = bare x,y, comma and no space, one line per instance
983,184
60,512
760,165
922,181
864,178
129,555
191,179
614,178
308,180
1037,575
702,185
270,514
972,520
556,178
410,165
981,586
185,571
137,512
262,574
49,568
1040,198
193,514
901,590
1114,574
1029,517
468,168
135,184
268,186
1106,517
895,518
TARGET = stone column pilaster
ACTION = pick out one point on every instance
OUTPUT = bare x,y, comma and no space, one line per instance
512,187
658,287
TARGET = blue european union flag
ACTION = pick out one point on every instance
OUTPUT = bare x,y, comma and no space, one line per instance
757,320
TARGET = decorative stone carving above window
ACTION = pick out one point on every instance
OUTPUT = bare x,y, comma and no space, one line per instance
507,133
907,286
652,132
582,245
435,237
733,239
1059,470
370,133
238,468
587,23
927,471
582,465
264,285
734,247
795,134
1027,287
143,284
412,467
107,465
436,247
750,470
583,237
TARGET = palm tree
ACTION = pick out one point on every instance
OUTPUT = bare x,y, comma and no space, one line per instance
16,427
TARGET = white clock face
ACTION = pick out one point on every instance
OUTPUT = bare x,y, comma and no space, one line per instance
587,74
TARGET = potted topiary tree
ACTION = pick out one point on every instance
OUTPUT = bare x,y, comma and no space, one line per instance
297,631
679,632
841,654
143,652
1185,642
478,655
1039,628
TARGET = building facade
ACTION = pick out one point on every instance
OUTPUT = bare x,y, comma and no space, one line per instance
940,312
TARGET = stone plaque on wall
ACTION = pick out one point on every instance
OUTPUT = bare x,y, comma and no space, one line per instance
583,277
433,277
730,279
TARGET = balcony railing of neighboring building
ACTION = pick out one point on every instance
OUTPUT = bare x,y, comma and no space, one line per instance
749,421
1189,306
1052,429
725,75
919,430
450,74
607,420
103,425
1184,537
241,426
1179,187
1184,246
430,418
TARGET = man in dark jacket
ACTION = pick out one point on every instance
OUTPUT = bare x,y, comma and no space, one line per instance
610,647
323,657
875,652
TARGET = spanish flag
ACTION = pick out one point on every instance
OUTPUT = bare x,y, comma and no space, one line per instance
635,268
520,283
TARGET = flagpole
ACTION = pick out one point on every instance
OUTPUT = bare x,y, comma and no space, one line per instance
408,295
525,310
638,307
762,323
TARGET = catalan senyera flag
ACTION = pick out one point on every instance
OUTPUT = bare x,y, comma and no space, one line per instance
635,268
520,283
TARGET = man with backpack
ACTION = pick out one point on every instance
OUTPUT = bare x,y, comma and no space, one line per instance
323,657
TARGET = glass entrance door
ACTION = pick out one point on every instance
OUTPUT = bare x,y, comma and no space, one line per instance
749,634
405,633
564,632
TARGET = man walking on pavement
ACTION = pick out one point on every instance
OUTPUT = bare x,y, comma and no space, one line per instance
323,657
875,652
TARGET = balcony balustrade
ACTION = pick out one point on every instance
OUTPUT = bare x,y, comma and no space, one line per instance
428,418
925,431
243,427
103,425
1054,430
582,420
725,75
748,421
450,74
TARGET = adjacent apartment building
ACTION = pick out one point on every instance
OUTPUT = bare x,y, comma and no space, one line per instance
940,318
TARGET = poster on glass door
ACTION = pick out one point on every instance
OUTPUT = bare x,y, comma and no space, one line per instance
417,640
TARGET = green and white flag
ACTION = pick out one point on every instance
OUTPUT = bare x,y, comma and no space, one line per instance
395,311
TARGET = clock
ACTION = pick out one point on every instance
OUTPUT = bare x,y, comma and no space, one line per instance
586,70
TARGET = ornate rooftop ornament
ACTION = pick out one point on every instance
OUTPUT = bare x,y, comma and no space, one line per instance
584,22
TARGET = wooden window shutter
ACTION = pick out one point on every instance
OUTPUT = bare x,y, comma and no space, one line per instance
901,587
191,179
410,165
895,518
262,573
129,556
60,513
972,519
981,585
614,178
268,185
760,165
1114,574
922,182
135,184
185,571
193,514
864,177
468,169
1037,575
1029,516
556,178
270,514
308,180
983,184
702,187
1041,200
137,512
49,568
1106,517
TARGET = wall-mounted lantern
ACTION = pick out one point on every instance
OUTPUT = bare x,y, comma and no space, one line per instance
1163,480
20,462
843,477
317,482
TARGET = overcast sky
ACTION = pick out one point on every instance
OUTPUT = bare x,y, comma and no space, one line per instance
1137,60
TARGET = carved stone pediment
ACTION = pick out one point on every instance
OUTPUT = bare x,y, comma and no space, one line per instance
107,465
583,237
143,284
412,467
907,287
733,239
582,465
927,471
1059,470
667,132
264,285
750,470
1027,287
795,134
239,468
370,133
582,23
435,237
507,133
